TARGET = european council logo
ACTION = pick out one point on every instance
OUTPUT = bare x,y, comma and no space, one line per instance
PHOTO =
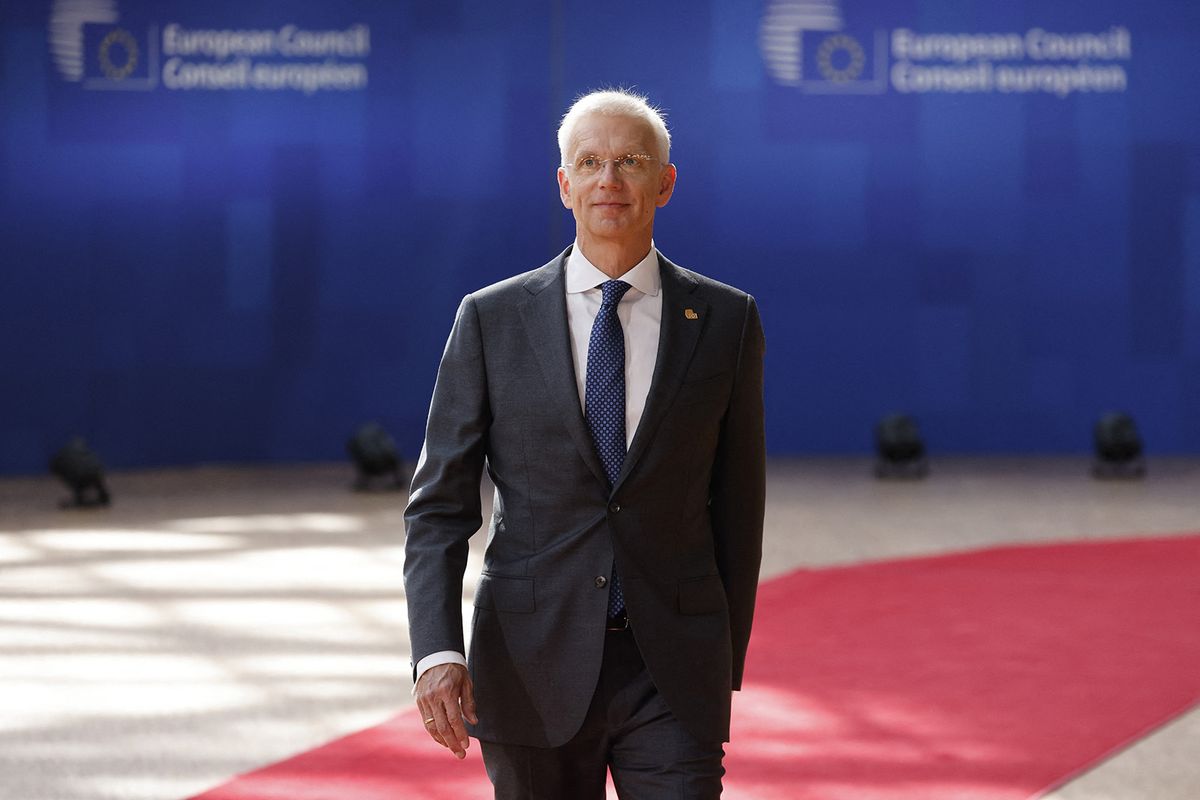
843,62
805,44
119,57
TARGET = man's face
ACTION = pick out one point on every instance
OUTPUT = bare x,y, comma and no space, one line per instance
612,203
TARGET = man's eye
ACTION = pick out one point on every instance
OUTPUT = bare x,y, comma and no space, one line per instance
631,162
588,163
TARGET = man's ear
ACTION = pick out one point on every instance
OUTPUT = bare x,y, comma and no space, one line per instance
666,185
564,187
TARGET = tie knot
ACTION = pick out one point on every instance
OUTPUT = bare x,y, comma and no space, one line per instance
614,291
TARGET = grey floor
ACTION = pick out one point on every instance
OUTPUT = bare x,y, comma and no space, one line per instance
217,619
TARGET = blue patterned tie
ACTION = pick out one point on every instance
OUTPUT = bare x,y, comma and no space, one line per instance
604,401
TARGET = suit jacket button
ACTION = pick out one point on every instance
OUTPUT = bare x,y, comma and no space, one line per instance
615,507
601,581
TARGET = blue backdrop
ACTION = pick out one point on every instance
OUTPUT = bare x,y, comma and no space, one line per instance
233,231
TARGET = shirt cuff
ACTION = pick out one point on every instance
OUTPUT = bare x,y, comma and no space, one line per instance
436,659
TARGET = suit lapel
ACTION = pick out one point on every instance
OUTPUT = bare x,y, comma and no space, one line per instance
545,316
678,334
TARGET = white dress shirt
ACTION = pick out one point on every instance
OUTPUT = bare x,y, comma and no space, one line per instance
640,312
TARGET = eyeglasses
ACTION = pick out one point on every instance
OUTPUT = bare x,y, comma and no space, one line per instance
629,165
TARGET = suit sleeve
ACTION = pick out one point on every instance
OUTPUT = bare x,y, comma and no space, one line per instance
444,506
738,491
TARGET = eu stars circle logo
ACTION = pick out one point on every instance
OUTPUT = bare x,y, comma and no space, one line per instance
118,54
840,58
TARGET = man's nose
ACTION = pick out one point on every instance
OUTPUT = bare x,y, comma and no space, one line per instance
609,174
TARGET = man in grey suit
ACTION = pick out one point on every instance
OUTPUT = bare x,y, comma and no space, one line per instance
616,402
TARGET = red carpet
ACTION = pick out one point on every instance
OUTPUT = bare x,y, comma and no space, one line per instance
992,675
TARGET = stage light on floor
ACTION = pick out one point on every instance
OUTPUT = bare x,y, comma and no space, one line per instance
375,456
83,472
1118,447
900,449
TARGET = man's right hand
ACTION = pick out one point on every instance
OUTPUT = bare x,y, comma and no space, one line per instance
445,697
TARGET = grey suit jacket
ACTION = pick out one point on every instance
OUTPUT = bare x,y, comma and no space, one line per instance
683,521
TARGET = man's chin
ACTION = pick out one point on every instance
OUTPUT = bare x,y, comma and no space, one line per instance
611,218
611,224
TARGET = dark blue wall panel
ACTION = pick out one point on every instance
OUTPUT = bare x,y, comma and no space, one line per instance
246,275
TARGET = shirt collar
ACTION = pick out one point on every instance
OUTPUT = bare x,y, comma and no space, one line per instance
583,275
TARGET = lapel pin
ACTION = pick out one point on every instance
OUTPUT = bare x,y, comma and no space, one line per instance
690,314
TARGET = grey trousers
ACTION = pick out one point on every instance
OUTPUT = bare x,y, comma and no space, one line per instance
628,730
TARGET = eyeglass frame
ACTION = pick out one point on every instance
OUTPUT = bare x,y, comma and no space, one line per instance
642,158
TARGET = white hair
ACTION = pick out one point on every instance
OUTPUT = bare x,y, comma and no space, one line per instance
614,103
